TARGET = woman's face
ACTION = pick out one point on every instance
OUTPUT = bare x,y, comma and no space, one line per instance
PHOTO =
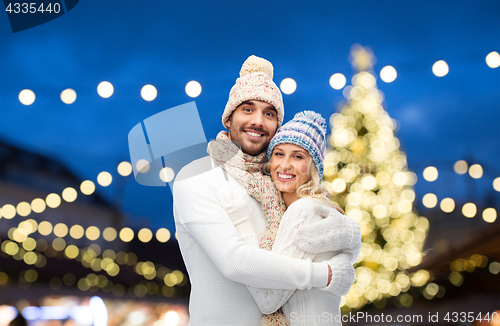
289,167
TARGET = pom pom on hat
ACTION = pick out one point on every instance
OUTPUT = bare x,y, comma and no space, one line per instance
256,64
307,129
313,117
255,83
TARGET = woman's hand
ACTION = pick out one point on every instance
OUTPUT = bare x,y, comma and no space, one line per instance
335,232
237,208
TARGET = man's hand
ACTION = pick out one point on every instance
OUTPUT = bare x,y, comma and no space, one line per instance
329,275
237,208
341,275
335,232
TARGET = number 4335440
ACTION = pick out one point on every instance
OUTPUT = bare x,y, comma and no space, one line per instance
32,8
470,317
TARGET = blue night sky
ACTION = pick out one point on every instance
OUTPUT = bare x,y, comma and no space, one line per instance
168,43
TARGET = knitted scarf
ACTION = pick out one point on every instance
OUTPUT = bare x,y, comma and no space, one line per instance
246,169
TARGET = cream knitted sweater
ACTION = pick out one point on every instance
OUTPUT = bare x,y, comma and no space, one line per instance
312,306
219,262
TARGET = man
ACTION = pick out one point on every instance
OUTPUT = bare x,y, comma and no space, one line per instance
218,261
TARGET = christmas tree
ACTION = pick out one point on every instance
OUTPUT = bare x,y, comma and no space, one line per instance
367,175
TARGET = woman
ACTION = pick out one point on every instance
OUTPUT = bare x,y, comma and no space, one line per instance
293,198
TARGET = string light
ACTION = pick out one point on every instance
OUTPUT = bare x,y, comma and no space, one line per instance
493,60
124,168
104,178
288,86
460,167
496,184
476,171
69,194
388,74
429,200
167,174
149,92
337,81
193,89
105,89
440,68
469,210
489,215
8,211
447,205
68,96
27,97
87,187
126,234
145,235
430,173
23,209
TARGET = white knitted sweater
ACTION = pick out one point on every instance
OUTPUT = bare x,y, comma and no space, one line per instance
311,306
219,262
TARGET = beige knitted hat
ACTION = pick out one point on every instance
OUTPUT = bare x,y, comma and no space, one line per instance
255,83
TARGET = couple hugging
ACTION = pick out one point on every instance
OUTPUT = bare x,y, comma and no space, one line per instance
262,242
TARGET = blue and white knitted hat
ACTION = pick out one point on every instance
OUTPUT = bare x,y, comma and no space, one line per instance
307,129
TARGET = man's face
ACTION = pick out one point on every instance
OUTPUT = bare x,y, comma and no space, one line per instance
252,125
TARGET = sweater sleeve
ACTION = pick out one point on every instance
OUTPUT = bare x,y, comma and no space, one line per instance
198,210
268,300
301,213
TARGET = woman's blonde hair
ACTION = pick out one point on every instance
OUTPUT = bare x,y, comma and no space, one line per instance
314,189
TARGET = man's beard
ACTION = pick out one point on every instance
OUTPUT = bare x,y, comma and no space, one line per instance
239,137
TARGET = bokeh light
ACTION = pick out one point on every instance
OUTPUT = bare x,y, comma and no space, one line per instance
388,74
38,205
27,97
145,235
124,168
476,171
460,167
489,215
126,234
142,166
171,318
68,96
53,200
288,86
440,68
105,89
104,178
193,88
429,200
23,209
447,205
76,231
109,234
469,210
8,211
69,194
149,92
496,184
167,174
92,233
60,230
430,173
163,235
87,187
493,59
337,81
494,267
45,228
